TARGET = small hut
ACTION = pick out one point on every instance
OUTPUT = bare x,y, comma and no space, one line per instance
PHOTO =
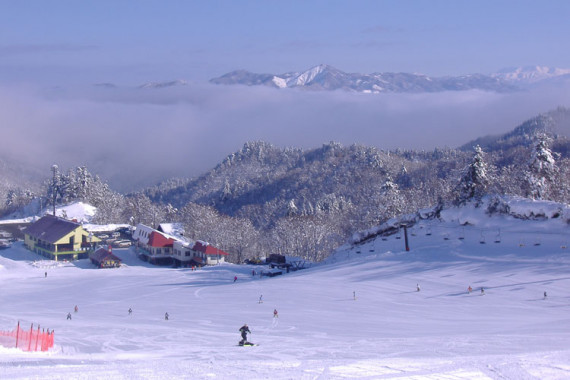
104,258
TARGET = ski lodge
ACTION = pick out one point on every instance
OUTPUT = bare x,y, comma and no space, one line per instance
160,248
59,239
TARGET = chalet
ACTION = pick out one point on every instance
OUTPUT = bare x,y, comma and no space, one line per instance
104,258
59,239
158,247
153,246
209,253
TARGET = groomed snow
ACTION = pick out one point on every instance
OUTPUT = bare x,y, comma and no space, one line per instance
389,331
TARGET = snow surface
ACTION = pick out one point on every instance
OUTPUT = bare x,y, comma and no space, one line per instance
389,331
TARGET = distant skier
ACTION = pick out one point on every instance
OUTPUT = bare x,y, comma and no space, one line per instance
544,295
261,298
166,316
130,311
275,313
354,295
418,287
469,289
75,309
68,316
253,273
235,278
244,330
482,291
45,274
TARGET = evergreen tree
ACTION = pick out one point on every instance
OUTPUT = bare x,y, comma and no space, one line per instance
473,184
541,168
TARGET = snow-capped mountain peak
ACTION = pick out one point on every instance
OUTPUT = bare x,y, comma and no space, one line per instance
530,74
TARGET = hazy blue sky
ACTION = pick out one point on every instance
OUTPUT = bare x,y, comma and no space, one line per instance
129,42
52,52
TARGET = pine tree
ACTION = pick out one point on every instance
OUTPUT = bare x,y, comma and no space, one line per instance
473,184
541,168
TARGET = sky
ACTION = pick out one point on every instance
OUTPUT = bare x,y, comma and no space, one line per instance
53,53
132,42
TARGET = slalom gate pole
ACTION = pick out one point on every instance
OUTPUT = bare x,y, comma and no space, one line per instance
30,339
37,338
17,333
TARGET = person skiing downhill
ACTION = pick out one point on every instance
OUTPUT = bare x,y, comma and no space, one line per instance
244,330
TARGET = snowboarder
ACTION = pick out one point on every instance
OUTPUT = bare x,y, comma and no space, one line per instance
75,309
469,289
68,316
244,330
418,287
275,313
235,278
130,311
261,298
166,316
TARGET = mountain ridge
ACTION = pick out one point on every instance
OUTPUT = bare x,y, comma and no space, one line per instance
326,77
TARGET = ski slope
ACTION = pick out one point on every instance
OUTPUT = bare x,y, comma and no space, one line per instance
390,331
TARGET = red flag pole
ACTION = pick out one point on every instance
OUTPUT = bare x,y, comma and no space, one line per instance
37,338
17,334
30,340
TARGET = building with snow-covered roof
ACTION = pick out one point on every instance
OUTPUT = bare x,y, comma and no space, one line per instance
153,246
59,239
172,229
158,247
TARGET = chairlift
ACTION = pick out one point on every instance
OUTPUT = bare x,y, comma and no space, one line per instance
462,235
498,237
446,237
482,239
564,245
537,243
428,232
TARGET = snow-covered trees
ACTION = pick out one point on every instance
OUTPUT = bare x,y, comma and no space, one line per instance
474,182
541,168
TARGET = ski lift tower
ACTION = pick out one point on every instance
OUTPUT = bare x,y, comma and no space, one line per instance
405,226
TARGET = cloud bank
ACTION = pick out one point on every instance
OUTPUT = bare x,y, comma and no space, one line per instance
134,137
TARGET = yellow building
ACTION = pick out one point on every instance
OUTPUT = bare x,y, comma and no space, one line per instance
59,239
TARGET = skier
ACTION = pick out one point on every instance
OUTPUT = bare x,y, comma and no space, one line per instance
469,289
130,311
418,287
76,309
45,274
235,278
68,316
275,313
354,295
482,291
166,316
544,295
261,298
244,330
253,273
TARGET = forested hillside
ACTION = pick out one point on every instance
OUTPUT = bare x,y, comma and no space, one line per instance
264,199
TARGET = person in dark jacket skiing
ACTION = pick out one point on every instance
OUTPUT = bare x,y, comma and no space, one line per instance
244,330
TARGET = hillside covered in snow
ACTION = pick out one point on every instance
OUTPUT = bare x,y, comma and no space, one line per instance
357,315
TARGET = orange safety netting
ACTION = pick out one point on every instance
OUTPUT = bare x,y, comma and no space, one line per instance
27,340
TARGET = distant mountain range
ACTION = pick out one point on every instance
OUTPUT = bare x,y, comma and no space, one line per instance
325,77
